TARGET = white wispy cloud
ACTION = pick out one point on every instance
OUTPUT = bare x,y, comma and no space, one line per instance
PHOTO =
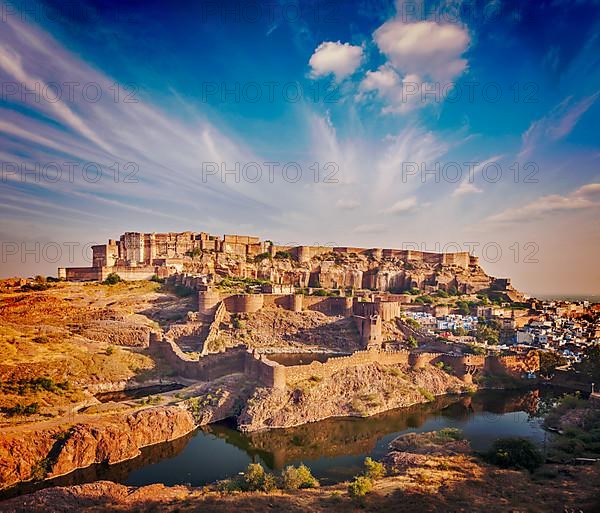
467,185
370,228
556,125
583,198
403,206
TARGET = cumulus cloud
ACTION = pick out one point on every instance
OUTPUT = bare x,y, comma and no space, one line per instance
425,48
423,58
337,58
400,94
584,198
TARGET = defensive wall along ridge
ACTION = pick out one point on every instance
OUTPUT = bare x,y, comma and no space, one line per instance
268,373
213,307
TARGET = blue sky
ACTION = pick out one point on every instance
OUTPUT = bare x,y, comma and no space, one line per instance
373,94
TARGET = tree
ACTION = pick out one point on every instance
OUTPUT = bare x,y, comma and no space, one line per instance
517,453
590,362
486,334
293,478
463,307
549,361
374,469
194,252
361,486
412,342
255,478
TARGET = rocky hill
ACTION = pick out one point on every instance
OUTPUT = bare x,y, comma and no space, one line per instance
360,391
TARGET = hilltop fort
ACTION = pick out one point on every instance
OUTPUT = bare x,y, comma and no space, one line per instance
142,256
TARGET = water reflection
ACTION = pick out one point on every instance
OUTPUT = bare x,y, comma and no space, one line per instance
334,448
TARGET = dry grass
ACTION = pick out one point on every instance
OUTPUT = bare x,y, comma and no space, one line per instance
40,336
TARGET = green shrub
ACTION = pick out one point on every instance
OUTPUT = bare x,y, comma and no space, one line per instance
373,469
254,476
112,279
293,478
426,394
238,323
194,252
447,434
360,487
260,257
269,483
517,453
395,371
413,323
256,479
283,255
473,349
22,409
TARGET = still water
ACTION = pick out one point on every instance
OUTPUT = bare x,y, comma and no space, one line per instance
334,449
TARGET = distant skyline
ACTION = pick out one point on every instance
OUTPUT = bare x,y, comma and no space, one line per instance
440,126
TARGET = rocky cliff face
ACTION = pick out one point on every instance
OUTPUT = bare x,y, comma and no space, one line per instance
357,391
51,449
341,270
122,439
57,450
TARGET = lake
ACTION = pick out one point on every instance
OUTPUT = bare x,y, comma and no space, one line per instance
334,449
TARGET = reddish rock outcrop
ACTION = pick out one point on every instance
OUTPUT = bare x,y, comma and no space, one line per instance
362,390
61,449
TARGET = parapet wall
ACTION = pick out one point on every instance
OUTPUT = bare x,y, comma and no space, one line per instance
208,300
244,303
293,374
271,374
249,303
206,368
82,273
213,330
134,273
329,305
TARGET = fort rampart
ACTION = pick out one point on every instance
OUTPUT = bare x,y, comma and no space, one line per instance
266,372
